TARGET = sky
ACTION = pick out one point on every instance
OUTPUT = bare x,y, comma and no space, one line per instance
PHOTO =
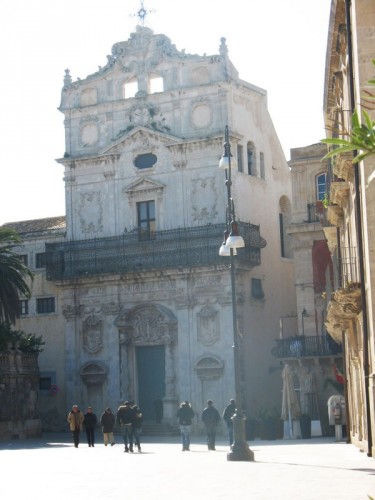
278,45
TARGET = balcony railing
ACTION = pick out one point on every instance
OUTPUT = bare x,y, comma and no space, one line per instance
315,211
175,248
345,267
298,347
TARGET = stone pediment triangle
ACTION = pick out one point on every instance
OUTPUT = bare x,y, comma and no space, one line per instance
142,185
141,138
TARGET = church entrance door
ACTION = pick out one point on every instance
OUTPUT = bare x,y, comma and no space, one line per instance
151,378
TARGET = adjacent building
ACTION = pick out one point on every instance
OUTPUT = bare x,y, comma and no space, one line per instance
351,212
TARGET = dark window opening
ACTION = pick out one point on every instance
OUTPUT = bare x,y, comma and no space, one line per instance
45,305
256,288
40,260
147,160
146,220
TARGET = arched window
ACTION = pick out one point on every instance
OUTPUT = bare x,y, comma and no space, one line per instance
321,186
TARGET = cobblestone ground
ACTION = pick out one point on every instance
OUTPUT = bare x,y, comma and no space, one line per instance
313,469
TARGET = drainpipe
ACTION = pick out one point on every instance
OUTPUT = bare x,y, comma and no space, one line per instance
358,218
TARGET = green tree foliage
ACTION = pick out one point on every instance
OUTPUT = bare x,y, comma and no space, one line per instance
14,275
25,342
361,137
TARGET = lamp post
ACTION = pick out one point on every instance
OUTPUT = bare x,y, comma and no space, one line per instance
240,450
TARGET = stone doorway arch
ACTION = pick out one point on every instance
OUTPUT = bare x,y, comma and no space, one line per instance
147,325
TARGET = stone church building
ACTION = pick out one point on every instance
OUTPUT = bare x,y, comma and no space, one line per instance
130,293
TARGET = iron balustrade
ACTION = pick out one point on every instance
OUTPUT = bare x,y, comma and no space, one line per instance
345,267
175,248
306,346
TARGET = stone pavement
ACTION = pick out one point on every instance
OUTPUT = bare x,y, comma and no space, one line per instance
51,468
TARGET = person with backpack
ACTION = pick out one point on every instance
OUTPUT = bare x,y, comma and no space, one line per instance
210,418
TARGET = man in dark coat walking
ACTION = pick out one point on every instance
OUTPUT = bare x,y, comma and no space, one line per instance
210,418
90,425
125,418
108,421
228,413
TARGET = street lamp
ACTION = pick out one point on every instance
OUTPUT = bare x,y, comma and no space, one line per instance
240,450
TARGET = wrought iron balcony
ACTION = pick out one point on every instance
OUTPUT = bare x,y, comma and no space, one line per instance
130,252
315,211
298,347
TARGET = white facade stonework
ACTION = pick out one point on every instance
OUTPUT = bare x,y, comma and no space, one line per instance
151,318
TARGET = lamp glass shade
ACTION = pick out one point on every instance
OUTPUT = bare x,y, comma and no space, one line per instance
234,239
224,162
225,251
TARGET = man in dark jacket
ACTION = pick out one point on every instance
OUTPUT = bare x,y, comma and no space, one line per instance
125,418
210,418
137,426
185,415
90,425
228,413
108,421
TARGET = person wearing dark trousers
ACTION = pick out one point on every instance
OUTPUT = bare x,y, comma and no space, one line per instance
75,419
108,421
125,419
228,413
90,425
185,415
137,426
210,418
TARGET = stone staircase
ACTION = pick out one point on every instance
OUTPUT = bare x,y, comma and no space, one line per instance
150,428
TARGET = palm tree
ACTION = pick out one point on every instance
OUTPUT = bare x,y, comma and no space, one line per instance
13,276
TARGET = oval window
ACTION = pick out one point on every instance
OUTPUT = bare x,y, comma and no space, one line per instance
147,160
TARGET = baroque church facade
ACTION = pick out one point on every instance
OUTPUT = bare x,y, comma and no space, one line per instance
130,293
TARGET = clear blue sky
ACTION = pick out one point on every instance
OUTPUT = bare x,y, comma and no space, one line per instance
279,45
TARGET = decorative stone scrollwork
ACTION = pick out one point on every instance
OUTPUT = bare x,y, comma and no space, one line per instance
92,334
208,325
149,325
93,373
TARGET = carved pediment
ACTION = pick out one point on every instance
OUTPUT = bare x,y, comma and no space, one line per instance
143,186
140,140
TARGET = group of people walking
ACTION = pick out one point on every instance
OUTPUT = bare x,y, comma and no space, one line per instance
129,417
210,417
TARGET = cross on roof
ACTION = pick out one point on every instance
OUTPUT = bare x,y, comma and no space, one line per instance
142,12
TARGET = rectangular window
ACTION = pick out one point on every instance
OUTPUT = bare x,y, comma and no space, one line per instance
24,307
146,220
240,158
321,186
256,288
40,260
23,258
282,243
45,305
262,168
47,383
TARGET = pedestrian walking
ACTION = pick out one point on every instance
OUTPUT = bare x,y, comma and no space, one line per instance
228,413
125,418
108,421
185,415
90,425
75,419
210,418
137,426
